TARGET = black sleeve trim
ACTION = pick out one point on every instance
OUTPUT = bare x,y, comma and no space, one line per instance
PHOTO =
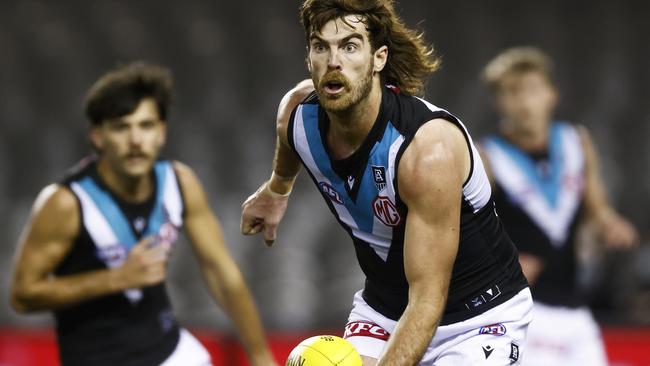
290,128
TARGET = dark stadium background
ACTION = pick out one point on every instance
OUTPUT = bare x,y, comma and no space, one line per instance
233,60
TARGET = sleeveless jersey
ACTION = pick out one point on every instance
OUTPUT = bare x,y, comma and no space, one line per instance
539,199
136,326
362,193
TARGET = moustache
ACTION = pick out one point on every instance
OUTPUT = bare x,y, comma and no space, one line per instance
333,77
136,154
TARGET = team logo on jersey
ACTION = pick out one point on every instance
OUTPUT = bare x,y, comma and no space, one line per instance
493,329
139,224
379,176
365,329
330,192
385,211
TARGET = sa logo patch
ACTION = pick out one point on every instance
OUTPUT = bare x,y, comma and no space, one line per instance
385,211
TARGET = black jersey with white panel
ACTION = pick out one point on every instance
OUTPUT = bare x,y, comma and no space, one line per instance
362,193
539,197
136,326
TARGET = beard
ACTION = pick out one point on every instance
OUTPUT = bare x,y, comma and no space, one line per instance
351,95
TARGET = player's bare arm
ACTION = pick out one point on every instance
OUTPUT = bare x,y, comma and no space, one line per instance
220,272
430,176
264,209
48,237
614,229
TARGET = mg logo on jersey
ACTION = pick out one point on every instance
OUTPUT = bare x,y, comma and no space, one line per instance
493,329
330,192
385,211
365,329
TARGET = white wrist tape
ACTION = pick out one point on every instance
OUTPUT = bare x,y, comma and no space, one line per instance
268,191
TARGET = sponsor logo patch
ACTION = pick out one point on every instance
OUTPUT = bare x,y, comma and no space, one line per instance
493,329
514,353
365,329
385,211
330,192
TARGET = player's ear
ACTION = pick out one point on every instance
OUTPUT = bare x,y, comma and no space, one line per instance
95,138
163,133
380,57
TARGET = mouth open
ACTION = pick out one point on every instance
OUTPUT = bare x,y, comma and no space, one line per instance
333,87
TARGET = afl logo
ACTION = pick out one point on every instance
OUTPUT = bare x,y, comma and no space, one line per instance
385,211
330,192
493,329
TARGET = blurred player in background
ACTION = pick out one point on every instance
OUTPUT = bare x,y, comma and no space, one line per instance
443,284
96,247
546,182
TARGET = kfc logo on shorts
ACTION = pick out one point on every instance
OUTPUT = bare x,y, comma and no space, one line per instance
330,192
385,211
494,329
365,329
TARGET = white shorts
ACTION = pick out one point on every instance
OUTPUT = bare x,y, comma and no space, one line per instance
564,336
189,352
496,337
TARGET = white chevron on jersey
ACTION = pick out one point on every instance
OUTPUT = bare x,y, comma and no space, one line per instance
103,234
554,220
380,237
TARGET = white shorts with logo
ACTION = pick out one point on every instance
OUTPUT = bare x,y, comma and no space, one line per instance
564,336
496,337
189,352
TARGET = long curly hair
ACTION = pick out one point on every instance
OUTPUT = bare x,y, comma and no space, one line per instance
410,59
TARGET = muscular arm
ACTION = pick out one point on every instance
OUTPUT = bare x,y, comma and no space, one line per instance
47,238
611,226
219,270
285,162
264,209
430,178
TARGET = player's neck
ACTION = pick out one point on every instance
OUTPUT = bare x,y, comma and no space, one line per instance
129,189
348,129
529,137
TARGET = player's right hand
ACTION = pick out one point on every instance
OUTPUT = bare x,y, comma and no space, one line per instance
145,265
263,211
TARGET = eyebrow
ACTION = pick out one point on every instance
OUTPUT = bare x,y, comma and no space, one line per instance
342,40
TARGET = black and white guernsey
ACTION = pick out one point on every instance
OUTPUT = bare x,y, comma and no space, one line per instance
136,326
539,198
362,193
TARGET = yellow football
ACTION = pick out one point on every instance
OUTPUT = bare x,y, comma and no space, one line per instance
324,350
